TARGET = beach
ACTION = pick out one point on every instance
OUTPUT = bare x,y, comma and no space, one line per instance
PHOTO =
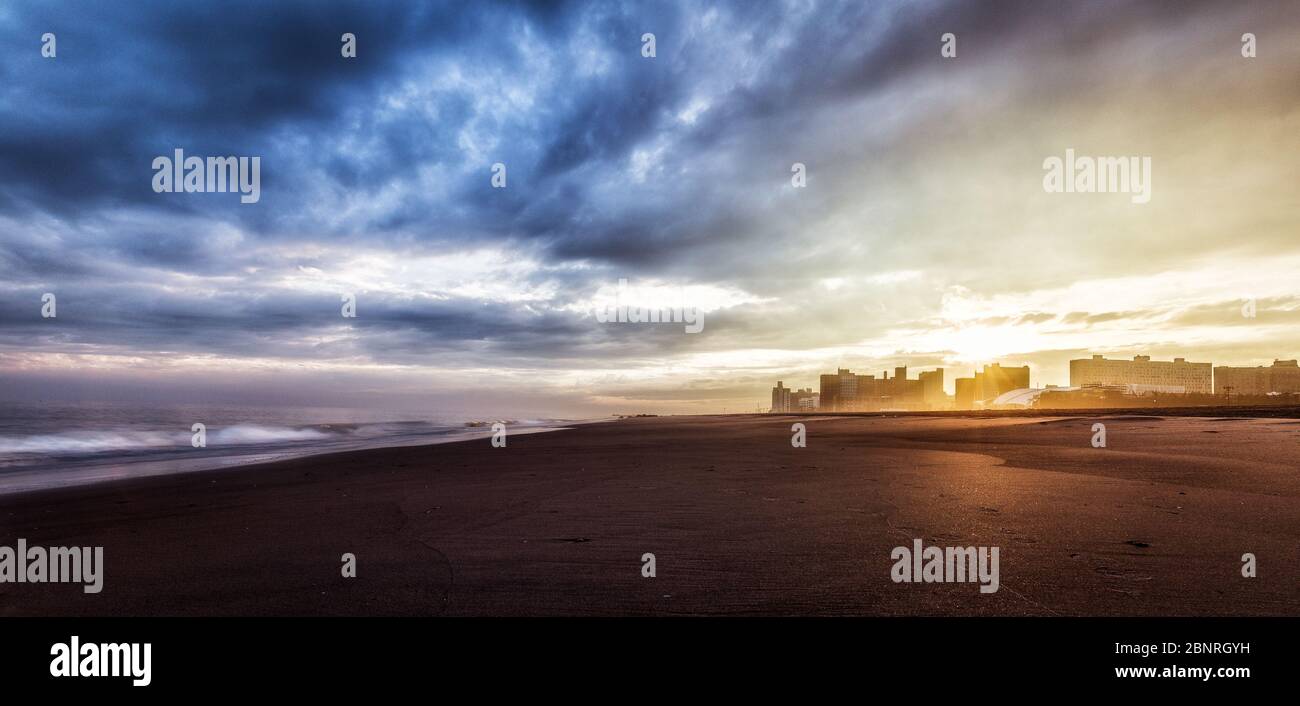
739,521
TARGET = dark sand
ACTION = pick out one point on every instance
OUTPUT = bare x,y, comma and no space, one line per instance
740,522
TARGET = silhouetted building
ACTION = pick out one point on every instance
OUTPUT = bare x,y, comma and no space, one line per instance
996,380
1142,374
805,400
1283,377
780,398
932,388
965,397
845,391
897,392
987,385
839,390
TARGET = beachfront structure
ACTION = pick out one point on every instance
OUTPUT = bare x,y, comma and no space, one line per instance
1025,398
786,400
846,391
1178,376
996,380
805,400
985,386
965,397
780,397
932,388
839,390
1283,377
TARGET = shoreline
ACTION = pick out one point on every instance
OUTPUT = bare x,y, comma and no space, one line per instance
110,472
41,481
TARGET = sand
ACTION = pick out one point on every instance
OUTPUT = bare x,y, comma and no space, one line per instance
740,522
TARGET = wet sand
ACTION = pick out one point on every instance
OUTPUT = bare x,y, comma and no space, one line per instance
740,522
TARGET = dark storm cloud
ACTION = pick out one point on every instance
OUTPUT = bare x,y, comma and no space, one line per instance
132,81
138,80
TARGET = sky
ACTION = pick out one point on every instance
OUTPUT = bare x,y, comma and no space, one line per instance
922,235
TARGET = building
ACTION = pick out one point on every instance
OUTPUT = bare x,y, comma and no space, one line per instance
1026,398
1143,374
1283,377
845,391
932,388
839,389
780,398
898,392
805,400
965,397
786,400
987,385
996,380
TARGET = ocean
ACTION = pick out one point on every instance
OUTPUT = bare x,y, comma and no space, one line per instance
56,445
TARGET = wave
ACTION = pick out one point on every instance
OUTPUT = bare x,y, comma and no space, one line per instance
480,423
89,442
254,434
100,441
240,439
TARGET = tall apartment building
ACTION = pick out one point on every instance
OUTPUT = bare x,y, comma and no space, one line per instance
845,391
839,390
932,388
898,392
1143,374
786,400
965,397
805,400
780,397
996,380
1282,377
985,386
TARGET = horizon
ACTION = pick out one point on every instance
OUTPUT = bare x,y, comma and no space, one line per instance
812,187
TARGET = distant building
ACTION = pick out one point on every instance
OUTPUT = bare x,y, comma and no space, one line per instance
932,388
780,398
996,380
1143,373
985,386
786,400
805,400
965,397
898,392
845,391
1026,397
838,390
1283,377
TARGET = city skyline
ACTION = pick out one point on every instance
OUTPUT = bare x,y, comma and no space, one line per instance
1140,375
